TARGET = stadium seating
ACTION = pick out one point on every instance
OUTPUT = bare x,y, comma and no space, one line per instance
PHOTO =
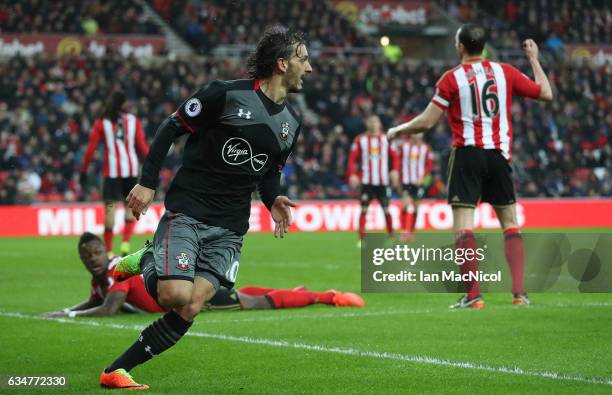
56,100
67,16
48,104
210,23
554,22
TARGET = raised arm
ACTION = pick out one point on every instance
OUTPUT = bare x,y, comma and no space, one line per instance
531,51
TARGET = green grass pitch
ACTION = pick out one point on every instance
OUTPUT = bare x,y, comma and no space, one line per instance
399,343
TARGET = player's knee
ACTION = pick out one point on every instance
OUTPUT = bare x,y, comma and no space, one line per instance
507,217
189,311
174,296
509,223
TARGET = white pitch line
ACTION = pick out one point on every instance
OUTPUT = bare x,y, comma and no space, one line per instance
361,313
340,350
283,317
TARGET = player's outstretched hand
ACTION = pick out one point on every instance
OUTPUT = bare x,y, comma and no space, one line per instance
54,314
531,49
281,214
392,133
139,199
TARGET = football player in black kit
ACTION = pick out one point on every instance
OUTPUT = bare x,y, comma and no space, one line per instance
240,135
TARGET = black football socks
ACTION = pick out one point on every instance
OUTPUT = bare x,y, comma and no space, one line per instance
155,339
147,268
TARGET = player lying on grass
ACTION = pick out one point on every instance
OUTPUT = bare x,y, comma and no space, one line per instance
109,297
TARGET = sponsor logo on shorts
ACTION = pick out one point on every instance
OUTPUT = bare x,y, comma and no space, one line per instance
183,262
237,151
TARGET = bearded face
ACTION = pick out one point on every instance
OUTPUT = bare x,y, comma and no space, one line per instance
297,68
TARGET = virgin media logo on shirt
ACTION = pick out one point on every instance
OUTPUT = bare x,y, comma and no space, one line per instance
237,151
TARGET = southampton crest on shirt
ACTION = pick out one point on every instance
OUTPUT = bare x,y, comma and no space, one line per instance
284,133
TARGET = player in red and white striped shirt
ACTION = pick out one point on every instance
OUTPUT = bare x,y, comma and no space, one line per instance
124,144
477,94
414,164
371,164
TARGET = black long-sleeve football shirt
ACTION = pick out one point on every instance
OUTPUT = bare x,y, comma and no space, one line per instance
239,140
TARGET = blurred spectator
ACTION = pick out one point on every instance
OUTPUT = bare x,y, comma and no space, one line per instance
563,151
554,44
68,16
555,22
28,185
46,105
205,24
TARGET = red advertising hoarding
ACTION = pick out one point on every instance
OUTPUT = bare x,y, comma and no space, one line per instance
314,216
98,45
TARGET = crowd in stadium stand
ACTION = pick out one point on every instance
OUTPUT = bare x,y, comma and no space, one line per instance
218,22
68,16
552,22
49,105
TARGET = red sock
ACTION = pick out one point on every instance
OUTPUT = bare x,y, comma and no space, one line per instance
466,239
389,222
514,249
283,298
413,219
403,218
362,220
108,239
255,290
407,221
128,229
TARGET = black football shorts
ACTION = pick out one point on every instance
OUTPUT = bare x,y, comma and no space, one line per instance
117,189
416,192
476,174
371,192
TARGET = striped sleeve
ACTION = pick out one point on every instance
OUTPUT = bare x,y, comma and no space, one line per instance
444,91
94,140
521,84
354,157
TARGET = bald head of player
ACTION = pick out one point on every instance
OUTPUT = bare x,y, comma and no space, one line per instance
280,62
470,40
92,253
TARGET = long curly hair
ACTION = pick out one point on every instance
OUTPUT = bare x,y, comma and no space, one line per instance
112,106
276,42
